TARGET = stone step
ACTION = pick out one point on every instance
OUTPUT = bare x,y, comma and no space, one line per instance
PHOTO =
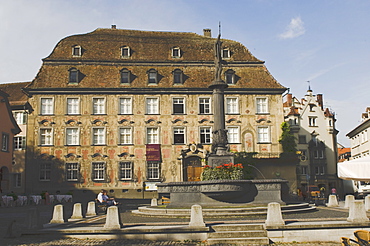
239,241
238,234
237,227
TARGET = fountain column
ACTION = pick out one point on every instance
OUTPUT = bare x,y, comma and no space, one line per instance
219,154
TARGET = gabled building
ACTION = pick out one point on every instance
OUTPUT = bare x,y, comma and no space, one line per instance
20,108
8,128
125,109
314,129
359,136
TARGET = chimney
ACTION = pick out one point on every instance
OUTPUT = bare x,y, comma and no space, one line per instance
319,101
207,33
289,99
114,27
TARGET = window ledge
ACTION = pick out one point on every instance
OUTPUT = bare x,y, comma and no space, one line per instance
262,113
264,143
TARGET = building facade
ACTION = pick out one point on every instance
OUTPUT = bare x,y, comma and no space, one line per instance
20,108
314,129
125,109
9,129
359,136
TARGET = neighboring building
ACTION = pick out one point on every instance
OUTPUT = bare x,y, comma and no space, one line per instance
314,128
8,128
20,108
344,154
360,144
124,109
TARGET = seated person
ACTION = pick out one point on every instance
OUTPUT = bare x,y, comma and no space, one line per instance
103,198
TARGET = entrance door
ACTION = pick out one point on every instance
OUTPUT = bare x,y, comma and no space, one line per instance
192,168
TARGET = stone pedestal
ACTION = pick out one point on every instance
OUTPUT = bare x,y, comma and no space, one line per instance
333,201
367,203
357,213
91,209
112,221
33,221
217,160
196,217
274,216
348,201
57,215
154,202
77,212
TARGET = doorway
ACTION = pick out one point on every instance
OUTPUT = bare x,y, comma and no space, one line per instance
192,168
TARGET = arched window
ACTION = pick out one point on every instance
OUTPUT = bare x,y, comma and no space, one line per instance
178,76
73,76
152,76
125,76
230,76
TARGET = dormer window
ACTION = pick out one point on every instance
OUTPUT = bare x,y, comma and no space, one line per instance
76,50
125,52
176,52
125,76
226,53
178,76
152,76
73,76
230,76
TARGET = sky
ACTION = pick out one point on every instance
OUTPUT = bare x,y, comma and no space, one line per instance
323,42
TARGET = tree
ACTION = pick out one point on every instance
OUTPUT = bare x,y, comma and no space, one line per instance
287,140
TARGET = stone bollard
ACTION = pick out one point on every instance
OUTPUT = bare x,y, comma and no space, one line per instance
91,209
154,202
196,217
274,216
77,212
112,219
57,215
367,203
349,199
33,221
357,213
333,201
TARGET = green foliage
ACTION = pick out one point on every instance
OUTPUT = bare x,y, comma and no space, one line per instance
246,159
287,139
224,171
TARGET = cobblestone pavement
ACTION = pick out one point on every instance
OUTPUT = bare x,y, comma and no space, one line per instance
19,214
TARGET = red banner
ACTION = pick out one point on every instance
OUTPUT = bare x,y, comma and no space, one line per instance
153,152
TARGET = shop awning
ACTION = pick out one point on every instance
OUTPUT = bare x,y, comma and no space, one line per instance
358,169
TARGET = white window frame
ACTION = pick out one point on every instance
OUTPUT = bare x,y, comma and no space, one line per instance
174,51
152,135
72,171
262,105
226,54
312,121
46,106
73,106
99,136
125,134
263,134
123,55
45,171
19,143
98,170
152,76
230,77
99,105
152,105
153,170
126,170
20,117
304,170
177,101
17,180
78,48
205,107
72,136
233,134
125,105
179,131
232,105
205,134
46,136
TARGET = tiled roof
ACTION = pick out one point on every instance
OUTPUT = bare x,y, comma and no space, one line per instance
101,61
14,90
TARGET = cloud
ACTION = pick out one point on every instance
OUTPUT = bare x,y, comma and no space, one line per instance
294,29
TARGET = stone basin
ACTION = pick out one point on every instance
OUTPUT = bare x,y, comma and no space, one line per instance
218,193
